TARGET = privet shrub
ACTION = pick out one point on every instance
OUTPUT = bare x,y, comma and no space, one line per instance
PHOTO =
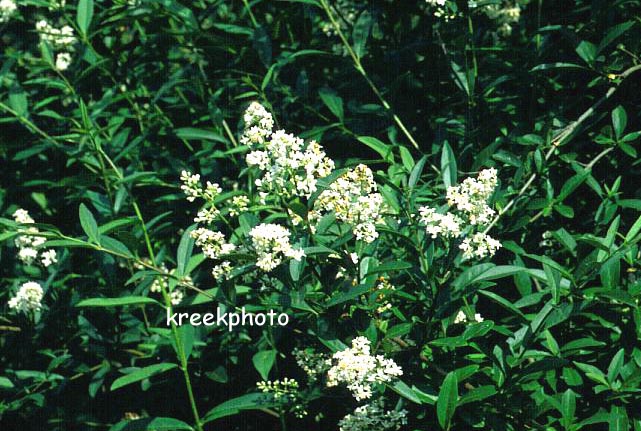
325,215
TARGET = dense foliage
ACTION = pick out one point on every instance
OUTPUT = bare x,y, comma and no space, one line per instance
439,198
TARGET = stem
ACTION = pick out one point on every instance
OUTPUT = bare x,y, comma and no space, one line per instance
250,13
563,136
359,67
588,167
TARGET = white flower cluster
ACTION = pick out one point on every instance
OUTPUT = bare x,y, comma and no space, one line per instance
271,243
29,245
505,15
354,200
194,189
57,4
373,417
314,364
212,243
160,283
7,9
384,287
479,246
258,125
446,225
360,370
62,38
469,200
215,246
461,317
289,166
279,388
239,204
285,392
28,298
440,9
470,197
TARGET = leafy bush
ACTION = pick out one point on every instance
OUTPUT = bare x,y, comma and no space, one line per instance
320,214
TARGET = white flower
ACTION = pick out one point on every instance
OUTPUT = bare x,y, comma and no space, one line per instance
373,417
239,205
207,215
7,9
271,243
359,370
63,60
22,216
446,225
258,125
290,167
353,199
470,197
191,185
222,271
479,246
48,258
461,317
435,2
29,245
314,364
60,38
212,243
176,296
28,298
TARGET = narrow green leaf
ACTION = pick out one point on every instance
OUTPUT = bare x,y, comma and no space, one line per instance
448,165
88,223
234,406
84,15
381,148
333,102
447,400
619,121
141,374
116,302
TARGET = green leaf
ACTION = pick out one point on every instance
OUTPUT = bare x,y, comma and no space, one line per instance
447,400
254,401
361,31
615,365
192,133
478,394
416,173
88,223
185,249
613,34
141,374
406,158
375,144
84,15
151,424
352,293
587,51
634,231
116,302
405,391
448,165
264,361
18,101
619,121
333,102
